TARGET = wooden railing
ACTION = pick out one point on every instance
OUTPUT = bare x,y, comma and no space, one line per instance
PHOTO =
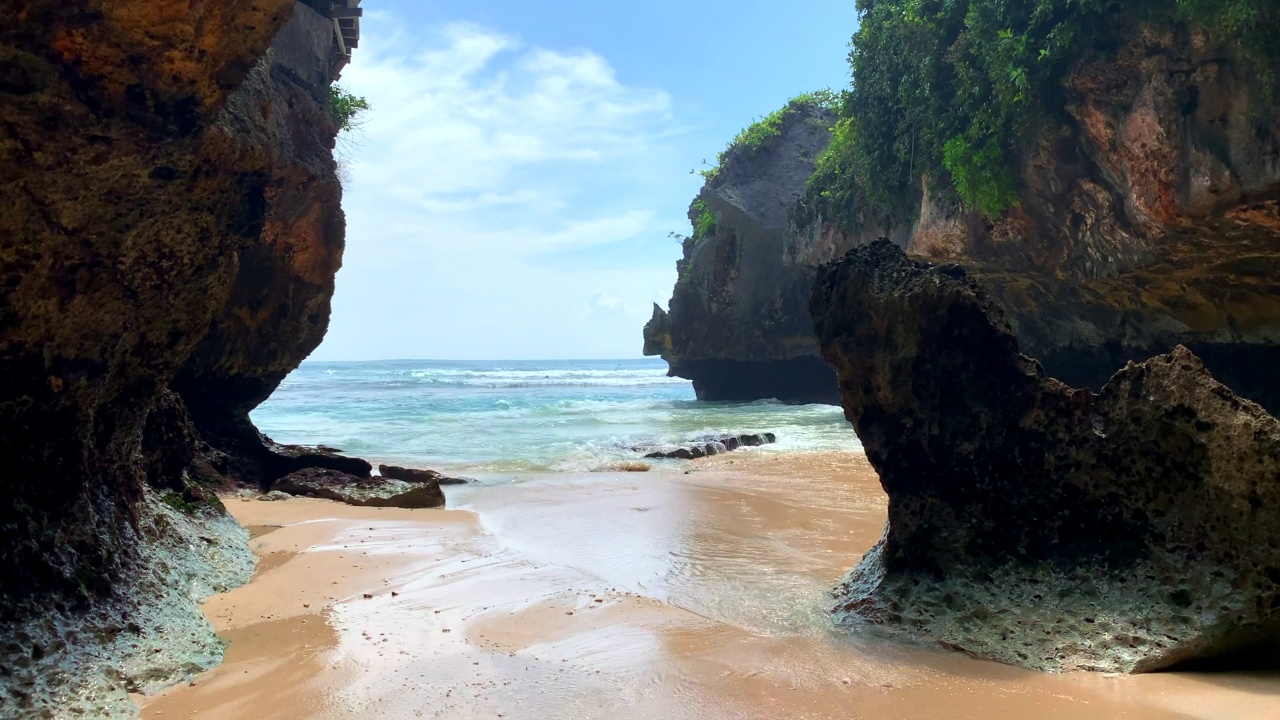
346,23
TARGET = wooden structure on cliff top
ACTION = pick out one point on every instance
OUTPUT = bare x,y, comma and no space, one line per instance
345,15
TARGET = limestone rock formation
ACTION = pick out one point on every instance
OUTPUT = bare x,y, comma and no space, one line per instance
277,309
172,222
738,325
126,205
1148,217
1034,523
366,492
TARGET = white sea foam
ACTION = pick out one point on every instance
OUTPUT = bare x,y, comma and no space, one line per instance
513,417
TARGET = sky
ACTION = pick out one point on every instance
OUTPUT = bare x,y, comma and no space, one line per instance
512,192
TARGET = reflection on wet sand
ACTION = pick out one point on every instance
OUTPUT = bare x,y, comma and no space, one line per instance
661,595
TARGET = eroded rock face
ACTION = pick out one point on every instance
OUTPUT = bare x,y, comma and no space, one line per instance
738,325
277,310
1148,217
168,191
1038,524
365,492
126,204
171,222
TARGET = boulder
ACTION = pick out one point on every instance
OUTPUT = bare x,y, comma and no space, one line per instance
420,476
751,440
1037,524
366,492
286,459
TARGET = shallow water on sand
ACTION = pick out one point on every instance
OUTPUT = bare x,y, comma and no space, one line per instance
618,596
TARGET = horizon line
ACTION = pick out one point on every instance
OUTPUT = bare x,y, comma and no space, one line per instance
487,360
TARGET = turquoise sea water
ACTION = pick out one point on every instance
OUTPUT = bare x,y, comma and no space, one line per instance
521,415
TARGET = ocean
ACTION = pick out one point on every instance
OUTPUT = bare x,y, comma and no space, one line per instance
511,416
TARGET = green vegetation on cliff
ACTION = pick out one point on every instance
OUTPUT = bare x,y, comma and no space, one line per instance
346,108
755,136
705,222
947,89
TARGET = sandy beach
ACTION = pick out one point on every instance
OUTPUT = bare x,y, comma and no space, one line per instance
628,595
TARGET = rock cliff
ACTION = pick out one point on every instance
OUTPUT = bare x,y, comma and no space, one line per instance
173,220
1147,216
738,324
1038,524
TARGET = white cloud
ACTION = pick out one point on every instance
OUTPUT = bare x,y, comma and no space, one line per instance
604,302
469,116
481,159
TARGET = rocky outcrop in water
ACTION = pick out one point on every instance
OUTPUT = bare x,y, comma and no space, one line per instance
1037,524
716,446
172,220
738,325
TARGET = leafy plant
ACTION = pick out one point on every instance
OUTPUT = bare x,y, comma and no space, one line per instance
704,223
346,108
948,89
753,138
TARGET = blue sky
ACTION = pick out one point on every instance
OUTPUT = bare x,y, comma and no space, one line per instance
511,193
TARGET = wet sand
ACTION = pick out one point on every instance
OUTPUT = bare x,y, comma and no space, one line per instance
616,595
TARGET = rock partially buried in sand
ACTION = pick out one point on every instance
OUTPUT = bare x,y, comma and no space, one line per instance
365,492
1036,524
420,476
275,496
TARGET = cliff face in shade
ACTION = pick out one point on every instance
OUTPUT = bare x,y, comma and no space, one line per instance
1038,524
1149,217
277,309
738,324
171,212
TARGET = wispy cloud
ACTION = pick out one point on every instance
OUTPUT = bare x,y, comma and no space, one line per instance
482,162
